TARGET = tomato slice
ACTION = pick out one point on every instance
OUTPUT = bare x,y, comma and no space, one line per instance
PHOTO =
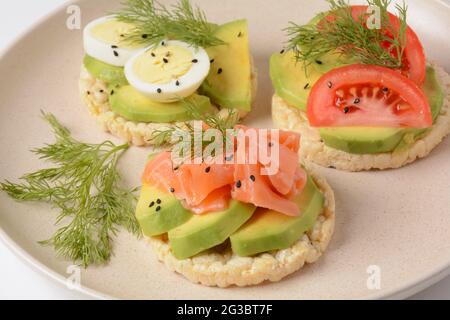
414,63
367,95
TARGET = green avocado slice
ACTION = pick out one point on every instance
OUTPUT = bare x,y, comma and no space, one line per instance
105,72
132,105
158,212
205,231
291,80
270,230
229,83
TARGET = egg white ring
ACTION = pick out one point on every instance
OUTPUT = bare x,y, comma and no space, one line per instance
104,51
188,83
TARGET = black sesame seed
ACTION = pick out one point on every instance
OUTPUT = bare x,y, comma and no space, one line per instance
211,61
159,90
329,84
176,168
101,90
116,53
88,93
357,100
158,208
219,71
238,184
207,169
194,60
177,83
151,204
165,60
385,89
282,51
172,190
306,86
252,177
270,144
122,35
239,34
112,92
346,110
163,43
114,47
153,54
158,201
319,62
331,167
144,36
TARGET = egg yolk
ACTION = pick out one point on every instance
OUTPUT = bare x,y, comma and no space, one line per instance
163,64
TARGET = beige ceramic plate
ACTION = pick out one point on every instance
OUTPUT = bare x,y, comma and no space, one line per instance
396,220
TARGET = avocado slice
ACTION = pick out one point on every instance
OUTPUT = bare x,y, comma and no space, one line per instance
203,232
434,92
132,105
105,72
270,230
229,82
158,212
291,80
362,140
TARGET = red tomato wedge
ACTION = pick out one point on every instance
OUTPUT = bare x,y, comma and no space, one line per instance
366,95
413,56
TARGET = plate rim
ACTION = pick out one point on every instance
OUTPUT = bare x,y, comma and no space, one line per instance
402,292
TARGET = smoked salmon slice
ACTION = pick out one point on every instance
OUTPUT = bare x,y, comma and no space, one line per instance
209,187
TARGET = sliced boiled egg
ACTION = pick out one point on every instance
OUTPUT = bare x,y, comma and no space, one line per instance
169,71
104,40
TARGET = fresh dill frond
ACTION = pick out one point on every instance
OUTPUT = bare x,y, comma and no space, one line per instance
349,37
85,186
155,22
168,136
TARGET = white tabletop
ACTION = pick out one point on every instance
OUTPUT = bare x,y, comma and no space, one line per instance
19,281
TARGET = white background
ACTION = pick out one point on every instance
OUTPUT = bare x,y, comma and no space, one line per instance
19,281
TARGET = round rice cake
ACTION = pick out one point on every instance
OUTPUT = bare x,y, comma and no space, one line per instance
313,149
222,268
95,95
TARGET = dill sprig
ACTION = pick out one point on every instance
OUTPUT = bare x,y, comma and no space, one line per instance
84,186
155,22
168,136
351,38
